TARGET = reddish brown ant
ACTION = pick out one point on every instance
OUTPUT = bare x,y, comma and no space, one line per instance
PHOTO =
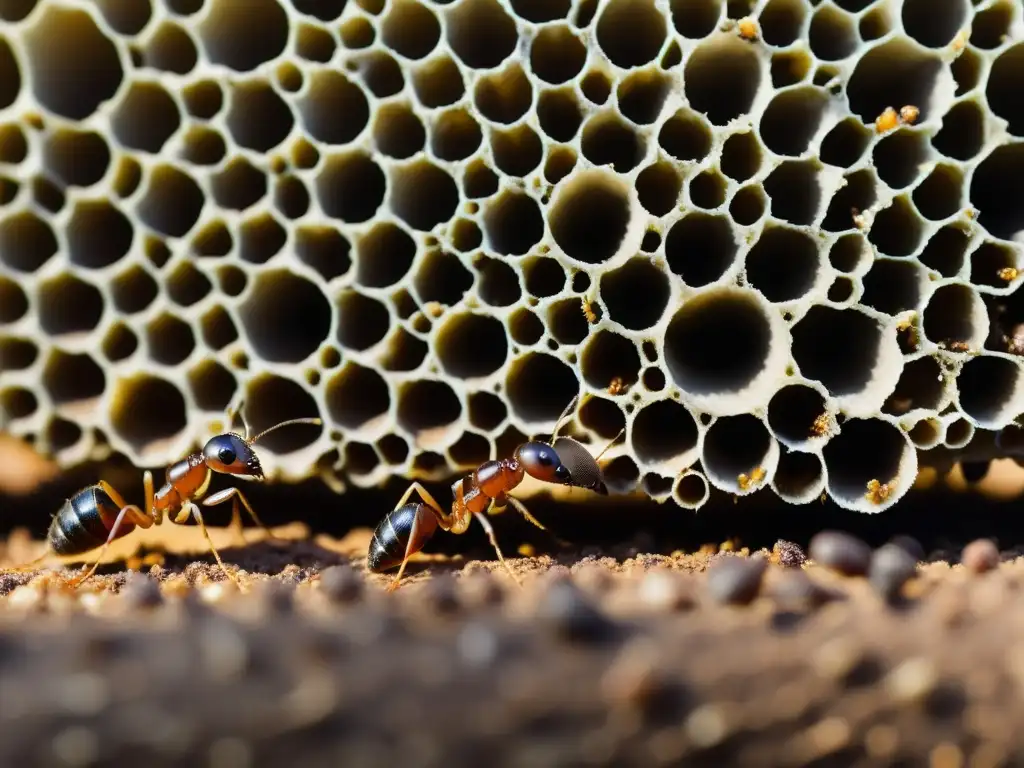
98,515
406,529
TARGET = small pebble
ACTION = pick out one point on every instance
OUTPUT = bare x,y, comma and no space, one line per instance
796,590
980,556
735,580
841,552
910,545
142,591
891,568
440,594
279,596
663,590
567,611
790,555
341,584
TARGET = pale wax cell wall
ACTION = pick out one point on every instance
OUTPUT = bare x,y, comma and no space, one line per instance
777,241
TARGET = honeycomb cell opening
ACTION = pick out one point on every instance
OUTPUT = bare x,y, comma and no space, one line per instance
539,386
244,42
896,73
170,341
799,477
691,490
213,386
722,77
272,399
384,255
471,345
607,357
988,390
631,33
794,192
735,446
721,343
455,135
27,242
784,264
997,191
72,378
832,35
591,217
840,348
427,409
602,415
955,313
487,411
926,434
796,413
945,250
351,188
516,151
747,205
940,195
893,285
700,247
686,136
13,301
792,118
707,189
898,157
934,23
68,306
641,95
959,433
621,287
663,432
78,158
356,396
147,409
869,451
362,321
847,252
897,229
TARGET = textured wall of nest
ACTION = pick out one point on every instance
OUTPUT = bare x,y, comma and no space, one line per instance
776,240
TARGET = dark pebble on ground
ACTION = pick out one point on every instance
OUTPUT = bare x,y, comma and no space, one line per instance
891,568
910,545
790,555
735,580
341,584
569,613
841,552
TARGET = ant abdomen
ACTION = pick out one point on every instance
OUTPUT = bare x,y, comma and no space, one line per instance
84,521
390,545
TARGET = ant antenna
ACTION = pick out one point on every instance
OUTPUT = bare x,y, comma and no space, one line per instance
564,417
614,440
313,421
237,411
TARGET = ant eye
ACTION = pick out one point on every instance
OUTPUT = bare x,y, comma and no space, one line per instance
226,456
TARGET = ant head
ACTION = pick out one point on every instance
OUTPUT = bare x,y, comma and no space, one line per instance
230,454
541,461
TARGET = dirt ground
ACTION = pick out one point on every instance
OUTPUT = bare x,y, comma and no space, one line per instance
605,655
600,658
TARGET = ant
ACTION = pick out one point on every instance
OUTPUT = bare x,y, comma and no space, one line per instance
98,515
407,528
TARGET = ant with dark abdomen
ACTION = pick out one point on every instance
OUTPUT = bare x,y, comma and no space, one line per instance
407,528
98,515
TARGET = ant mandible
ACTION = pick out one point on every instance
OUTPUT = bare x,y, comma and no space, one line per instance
98,515
407,528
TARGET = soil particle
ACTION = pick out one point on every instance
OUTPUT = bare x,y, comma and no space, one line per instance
341,584
788,554
841,552
891,568
910,545
736,580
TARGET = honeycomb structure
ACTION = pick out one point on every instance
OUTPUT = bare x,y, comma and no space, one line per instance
779,242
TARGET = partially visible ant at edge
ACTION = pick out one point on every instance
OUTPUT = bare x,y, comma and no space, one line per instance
98,515
407,528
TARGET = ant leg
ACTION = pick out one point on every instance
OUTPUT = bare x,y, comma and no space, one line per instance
136,517
233,493
417,537
430,500
194,509
30,565
494,543
522,510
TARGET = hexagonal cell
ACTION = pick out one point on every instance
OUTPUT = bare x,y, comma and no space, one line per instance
98,234
792,119
213,386
170,49
334,110
516,151
739,454
438,82
384,255
78,158
722,77
145,118
945,250
146,409
356,396
898,157
13,301
621,287
471,345
794,191
543,276
897,72
664,434
539,386
169,339
845,143
841,348
687,136
833,33
700,248
423,195
893,285
798,413
997,191
362,321
783,264
955,314
68,305
608,356
557,55
285,316
442,277
17,403
865,453
658,187
17,354
989,264
427,409
481,33
27,242
244,41
59,81
513,223
631,33
397,131
934,23
641,95
172,202
989,390
590,217
724,347
270,400
351,187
